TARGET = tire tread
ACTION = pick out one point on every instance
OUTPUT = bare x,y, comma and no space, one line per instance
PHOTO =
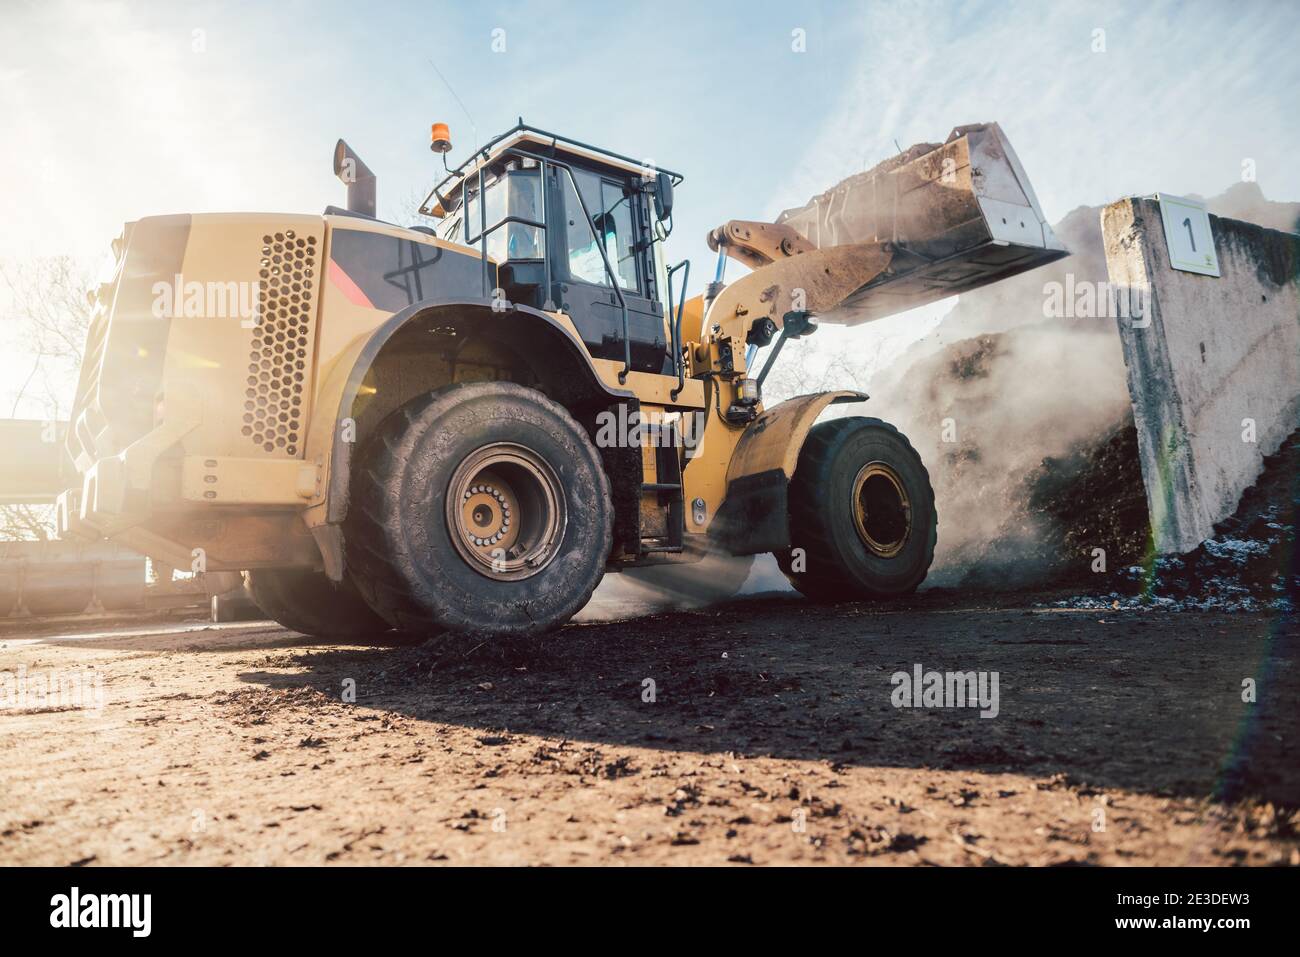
823,579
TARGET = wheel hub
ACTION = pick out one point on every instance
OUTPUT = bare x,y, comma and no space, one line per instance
882,512
505,511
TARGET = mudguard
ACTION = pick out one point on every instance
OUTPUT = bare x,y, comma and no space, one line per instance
754,517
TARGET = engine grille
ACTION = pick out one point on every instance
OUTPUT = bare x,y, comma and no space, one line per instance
280,349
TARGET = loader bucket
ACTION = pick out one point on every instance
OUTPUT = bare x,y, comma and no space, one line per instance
958,216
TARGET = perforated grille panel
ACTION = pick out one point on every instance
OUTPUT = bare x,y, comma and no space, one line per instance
280,350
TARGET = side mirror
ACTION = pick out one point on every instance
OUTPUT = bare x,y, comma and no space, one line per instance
663,192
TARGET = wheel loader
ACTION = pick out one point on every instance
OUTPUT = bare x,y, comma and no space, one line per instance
463,427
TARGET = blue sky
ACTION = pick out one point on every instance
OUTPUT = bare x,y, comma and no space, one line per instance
110,111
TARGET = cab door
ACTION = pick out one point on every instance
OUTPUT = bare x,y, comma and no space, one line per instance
617,216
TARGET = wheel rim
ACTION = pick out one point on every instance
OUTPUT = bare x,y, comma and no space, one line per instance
505,511
882,512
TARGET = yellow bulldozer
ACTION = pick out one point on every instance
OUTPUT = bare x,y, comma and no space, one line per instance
464,427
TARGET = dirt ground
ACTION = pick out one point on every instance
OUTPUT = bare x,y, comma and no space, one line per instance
1120,738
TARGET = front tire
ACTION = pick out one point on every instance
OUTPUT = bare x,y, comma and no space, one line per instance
479,508
862,516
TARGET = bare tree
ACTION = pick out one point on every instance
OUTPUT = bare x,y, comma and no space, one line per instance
49,313
47,316
405,211
26,523
805,366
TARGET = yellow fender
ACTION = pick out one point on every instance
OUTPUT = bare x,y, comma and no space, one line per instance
754,517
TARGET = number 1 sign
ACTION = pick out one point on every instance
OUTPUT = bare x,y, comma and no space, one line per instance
1188,236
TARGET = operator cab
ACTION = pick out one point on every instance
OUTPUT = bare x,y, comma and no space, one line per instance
569,228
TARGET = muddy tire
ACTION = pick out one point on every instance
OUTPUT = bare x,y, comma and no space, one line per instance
862,511
307,601
479,508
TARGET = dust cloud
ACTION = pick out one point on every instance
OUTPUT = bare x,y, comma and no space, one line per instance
986,414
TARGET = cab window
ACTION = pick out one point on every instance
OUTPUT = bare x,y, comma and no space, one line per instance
615,225
585,263
516,193
611,209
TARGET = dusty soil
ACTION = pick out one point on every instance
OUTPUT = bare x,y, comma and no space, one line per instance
1121,738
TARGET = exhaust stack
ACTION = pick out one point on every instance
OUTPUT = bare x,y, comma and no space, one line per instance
356,176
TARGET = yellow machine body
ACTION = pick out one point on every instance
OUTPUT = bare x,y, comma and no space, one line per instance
236,362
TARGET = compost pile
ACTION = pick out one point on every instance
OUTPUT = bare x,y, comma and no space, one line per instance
1028,438
1248,565
1094,498
1042,472
1089,498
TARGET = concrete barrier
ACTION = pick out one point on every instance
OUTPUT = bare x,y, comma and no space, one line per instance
1213,365
68,578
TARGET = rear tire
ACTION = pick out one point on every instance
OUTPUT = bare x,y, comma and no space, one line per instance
862,512
307,601
478,508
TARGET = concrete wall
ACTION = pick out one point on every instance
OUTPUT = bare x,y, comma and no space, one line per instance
1216,351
